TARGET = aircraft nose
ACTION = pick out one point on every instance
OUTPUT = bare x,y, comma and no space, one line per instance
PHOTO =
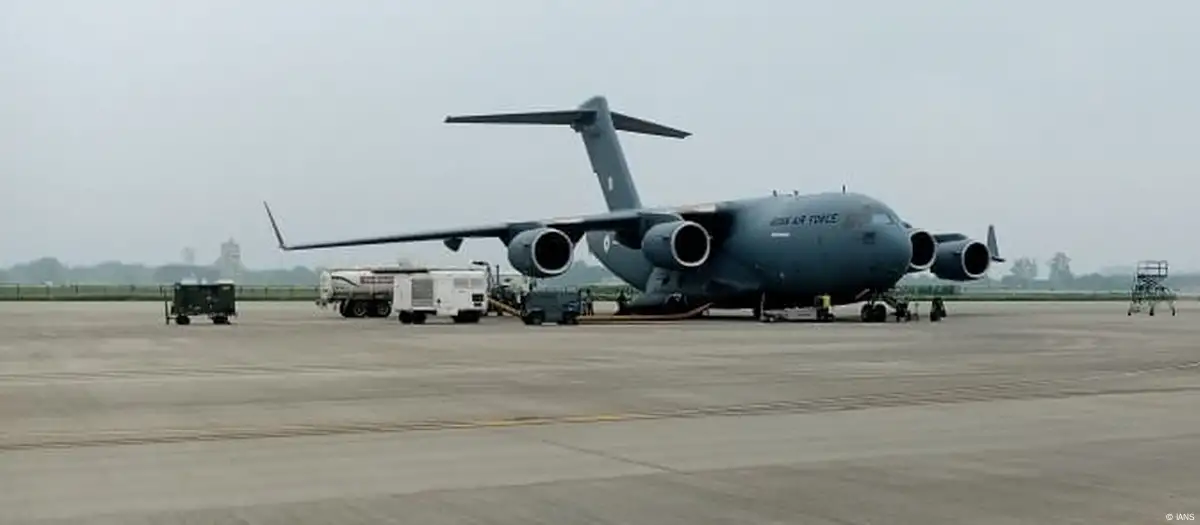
894,251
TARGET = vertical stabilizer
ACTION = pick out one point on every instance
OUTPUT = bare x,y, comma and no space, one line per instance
597,125
992,246
607,158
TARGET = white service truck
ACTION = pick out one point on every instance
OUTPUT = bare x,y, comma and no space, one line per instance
460,294
358,292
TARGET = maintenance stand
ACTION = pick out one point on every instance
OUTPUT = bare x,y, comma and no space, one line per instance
217,301
1149,288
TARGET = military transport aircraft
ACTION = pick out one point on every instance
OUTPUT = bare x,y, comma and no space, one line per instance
769,252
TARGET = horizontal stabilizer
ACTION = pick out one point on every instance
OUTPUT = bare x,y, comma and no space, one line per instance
576,118
636,125
570,117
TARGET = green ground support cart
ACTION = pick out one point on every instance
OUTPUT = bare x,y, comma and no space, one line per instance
217,301
563,306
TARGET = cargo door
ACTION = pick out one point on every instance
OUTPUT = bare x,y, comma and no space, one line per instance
401,299
422,292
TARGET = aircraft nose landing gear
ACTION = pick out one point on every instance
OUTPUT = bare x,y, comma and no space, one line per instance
875,309
873,313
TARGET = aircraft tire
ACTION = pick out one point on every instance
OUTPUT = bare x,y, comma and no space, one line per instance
879,313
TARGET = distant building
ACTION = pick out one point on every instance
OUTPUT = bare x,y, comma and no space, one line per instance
229,264
188,256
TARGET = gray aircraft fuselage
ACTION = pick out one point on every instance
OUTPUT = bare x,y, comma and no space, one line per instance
790,247
768,252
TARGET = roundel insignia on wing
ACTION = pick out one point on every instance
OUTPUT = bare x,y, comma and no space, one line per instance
607,242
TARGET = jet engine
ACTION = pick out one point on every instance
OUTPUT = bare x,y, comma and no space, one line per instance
924,250
677,245
965,260
541,252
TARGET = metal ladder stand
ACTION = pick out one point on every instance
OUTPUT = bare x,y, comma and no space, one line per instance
1149,288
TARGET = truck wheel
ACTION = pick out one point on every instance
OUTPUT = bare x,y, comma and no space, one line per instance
418,317
182,320
534,318
358,309
465,317
382,309
405,317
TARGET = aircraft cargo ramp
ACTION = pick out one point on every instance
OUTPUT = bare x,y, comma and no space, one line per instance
614,318
504,307
611,318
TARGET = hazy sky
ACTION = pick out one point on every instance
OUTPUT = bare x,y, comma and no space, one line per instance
131,129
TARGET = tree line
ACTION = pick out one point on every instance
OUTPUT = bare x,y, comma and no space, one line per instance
51,270
1024,273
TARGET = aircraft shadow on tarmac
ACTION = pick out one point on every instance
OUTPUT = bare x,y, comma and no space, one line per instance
809,318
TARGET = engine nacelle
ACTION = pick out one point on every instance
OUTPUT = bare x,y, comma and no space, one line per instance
677,245
965,260
541,252
924,250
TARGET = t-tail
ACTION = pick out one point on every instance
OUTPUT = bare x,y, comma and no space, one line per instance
598,127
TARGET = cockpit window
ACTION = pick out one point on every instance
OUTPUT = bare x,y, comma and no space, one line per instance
883,218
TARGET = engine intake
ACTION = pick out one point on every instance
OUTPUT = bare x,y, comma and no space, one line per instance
965,260
924,250
677,245
541,252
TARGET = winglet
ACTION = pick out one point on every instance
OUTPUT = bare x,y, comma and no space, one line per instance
992,246
278,236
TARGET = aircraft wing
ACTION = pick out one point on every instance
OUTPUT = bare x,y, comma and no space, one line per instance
574,227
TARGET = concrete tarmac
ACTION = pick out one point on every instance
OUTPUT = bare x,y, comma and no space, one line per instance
1002,413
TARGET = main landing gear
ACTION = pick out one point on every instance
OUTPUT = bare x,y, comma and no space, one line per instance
875,310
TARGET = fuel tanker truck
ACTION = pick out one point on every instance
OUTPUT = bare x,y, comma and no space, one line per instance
358,292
